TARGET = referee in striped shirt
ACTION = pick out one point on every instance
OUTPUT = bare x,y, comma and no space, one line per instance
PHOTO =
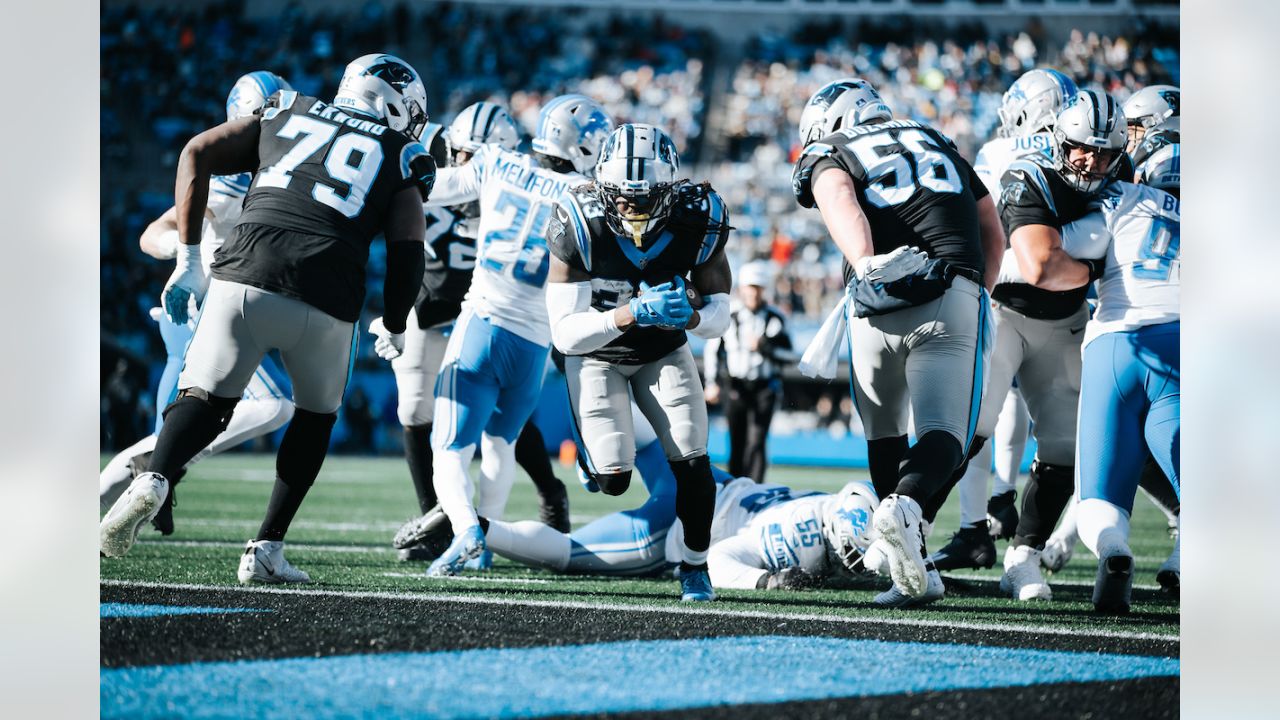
749,359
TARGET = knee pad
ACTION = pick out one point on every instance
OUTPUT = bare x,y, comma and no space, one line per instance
612,483
303,449
685,443
224,405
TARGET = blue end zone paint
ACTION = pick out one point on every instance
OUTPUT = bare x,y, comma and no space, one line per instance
132,610
667,675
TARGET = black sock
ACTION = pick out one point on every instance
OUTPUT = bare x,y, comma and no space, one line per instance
1153,480
531,454
302,452
417,453
484,524
884,462
190,423
1049,488
929,465
695,500
939,498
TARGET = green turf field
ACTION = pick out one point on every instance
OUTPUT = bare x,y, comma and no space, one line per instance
342,536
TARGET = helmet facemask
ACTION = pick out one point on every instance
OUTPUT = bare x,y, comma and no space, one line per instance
636,209
1072,159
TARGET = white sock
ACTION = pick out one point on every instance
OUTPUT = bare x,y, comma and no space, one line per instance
1010,442
1104,528
252,418
973,488
1068,530
529,542
115,477
497,475
692,557
451,471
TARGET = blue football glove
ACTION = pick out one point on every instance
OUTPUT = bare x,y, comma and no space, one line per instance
665,306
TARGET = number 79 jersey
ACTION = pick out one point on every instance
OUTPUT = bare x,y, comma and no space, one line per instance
517,197
321,193
913,185
1141,283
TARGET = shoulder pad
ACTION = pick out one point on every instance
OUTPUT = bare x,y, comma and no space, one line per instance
717,223
279,101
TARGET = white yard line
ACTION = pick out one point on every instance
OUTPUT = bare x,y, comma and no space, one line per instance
670,610
472,578
1050,580
292,546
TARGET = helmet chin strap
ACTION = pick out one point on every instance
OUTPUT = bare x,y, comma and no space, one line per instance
637,224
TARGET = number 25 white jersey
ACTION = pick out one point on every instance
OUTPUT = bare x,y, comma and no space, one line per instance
1140,286
517,197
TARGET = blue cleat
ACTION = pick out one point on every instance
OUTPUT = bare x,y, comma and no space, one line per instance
484,562
467,546
695,585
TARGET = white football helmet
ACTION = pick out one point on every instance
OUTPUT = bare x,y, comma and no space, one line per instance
639,166
1033,101
387,88
1152,106
840,104
483,123
846,524
1094,123
796,540
251,91
572,128
1163,170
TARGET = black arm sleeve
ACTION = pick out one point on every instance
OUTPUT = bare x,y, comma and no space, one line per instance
405,261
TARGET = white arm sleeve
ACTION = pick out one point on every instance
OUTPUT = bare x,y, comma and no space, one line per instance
577,329
735,563
713,318
457,185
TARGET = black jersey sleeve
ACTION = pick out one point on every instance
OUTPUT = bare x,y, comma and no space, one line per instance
568,237
1026,198
813,161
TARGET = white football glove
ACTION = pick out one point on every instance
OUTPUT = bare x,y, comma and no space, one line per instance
388,345
187,282
891,266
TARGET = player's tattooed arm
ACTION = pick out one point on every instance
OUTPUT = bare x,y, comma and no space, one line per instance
228,149
993,240
837,200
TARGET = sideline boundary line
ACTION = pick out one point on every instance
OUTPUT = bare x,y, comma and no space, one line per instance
676,610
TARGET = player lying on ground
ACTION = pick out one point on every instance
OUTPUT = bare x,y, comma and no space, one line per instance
265,405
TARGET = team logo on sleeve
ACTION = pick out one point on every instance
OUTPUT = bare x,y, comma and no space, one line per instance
1012,192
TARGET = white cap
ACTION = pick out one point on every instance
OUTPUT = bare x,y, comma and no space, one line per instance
757,272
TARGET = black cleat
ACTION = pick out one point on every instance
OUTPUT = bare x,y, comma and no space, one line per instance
423,530
427,550
1113,585
554,511
1002,515
972,547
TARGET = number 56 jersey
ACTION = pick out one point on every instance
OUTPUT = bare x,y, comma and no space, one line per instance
517,197
324,183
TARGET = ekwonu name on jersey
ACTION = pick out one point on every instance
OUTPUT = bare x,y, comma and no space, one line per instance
912,183
696,230
321,193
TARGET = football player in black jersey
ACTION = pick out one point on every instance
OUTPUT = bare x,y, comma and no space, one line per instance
450,258
921,240
1040,313
329,177
625,250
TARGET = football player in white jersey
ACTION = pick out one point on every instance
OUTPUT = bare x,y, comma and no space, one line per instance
1154,106
1027,112
1129,396
763,536
492,374
265,406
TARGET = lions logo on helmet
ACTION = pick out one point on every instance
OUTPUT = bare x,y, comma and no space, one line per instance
846,524
1032,102
572,128
387,88
840,104
251,91
1152,106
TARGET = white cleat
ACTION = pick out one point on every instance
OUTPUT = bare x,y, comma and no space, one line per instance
898,521
876,558
1058,551
1170,573
895,598
1022,579
135,508
263,561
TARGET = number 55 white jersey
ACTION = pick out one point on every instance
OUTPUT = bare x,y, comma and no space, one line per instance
517,197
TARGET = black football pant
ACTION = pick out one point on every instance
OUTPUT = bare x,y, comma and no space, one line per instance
749,410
